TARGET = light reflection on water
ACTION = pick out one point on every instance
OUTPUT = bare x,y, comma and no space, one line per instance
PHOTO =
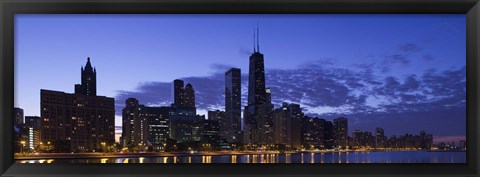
336,157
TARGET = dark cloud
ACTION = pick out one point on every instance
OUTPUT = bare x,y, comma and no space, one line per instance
410,47
220,67
414,101
396,59
439,122
427,57
411,84
244,52
317,85
402,57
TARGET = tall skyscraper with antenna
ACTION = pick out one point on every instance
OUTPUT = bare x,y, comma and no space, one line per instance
257,113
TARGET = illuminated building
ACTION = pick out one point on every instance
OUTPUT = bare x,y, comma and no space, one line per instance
233,106
78,122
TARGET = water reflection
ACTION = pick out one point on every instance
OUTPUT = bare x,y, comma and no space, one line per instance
323,157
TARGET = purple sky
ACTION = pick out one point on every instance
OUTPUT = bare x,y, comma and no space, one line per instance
404,73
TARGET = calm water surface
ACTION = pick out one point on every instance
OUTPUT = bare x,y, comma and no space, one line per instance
345,157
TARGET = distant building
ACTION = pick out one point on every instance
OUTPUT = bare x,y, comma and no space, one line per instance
287,125
146,128
34,135
18,116
379,138
329,135
223,123
233,105
158,127
463,144
132,125
313,132
198,128
183,114
178,93
362,139
182,120
78,122
189,96
341,132
211,134
426,140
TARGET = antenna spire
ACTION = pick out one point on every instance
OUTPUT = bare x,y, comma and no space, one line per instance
258,36
254,50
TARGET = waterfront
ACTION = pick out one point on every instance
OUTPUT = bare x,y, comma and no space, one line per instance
304,157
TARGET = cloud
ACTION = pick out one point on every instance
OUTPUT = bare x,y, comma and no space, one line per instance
433,100
316,86
396,59
244,52
220,67
427,57
402,57
410,47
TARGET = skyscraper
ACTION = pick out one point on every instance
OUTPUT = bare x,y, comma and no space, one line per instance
183,114
89,80
258,114
211,134
130,122
189,96
287,125
313,132
379,137
158,127
256,79
182,120
219,116
183,96
18,116
146,128
329,135
341,132
233,104
82,121
177,93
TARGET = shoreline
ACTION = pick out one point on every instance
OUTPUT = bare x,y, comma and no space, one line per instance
181,154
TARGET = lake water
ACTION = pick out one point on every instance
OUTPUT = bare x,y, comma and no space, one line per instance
334,157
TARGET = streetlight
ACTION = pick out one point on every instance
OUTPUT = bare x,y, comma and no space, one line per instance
23,146
103,146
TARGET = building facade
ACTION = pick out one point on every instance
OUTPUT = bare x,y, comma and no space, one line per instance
313,132
34,135
189,96
379,138
233,105
177,93
145,128
287,125
81,121
341,132
18,116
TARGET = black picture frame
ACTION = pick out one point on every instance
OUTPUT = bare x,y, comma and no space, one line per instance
9,8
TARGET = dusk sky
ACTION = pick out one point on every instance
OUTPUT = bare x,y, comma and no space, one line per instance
404,73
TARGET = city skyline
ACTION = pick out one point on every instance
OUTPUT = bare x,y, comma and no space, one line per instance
405,57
